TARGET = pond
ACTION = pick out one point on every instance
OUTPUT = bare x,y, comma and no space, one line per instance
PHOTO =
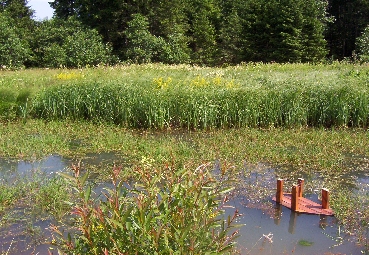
285,232
267,228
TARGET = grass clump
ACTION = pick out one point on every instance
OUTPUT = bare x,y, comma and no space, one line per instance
167,211
38,195
351,207
8,195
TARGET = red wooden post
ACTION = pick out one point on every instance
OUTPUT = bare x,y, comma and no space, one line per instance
325,199
279,195
295,198
300,182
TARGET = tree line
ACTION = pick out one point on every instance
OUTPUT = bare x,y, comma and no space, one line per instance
203,32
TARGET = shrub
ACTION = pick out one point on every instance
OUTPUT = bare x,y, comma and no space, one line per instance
143,47
67,43
14,51
168,211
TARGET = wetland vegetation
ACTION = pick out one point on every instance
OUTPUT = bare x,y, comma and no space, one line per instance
164,121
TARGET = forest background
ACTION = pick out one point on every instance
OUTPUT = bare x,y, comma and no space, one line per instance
202,32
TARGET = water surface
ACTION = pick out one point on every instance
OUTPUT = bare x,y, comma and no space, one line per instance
267,228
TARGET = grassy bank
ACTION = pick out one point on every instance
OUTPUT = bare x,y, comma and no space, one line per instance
305,149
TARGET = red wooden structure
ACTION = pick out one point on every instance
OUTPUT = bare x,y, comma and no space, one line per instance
296,202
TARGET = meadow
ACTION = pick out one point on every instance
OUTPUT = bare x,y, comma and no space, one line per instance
303,120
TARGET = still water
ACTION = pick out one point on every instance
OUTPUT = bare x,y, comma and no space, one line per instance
281,231
267,229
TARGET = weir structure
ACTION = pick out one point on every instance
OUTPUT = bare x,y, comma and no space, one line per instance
297,203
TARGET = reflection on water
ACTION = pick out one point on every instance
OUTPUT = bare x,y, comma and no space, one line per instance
275,229
54,163
48,165
268,229
25,237
287,232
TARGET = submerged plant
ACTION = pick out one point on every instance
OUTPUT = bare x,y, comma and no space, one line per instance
303,242
168,211
351,209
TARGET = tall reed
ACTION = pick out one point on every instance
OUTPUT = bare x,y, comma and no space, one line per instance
209,103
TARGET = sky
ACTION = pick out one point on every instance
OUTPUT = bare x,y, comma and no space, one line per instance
42,9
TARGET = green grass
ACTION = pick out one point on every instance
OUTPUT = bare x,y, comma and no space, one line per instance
305,149
159,96
38,195
243,96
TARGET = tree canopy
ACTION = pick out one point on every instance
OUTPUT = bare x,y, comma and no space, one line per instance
205,32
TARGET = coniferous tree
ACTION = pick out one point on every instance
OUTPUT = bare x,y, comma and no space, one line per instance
19,11
203,17
64,9
314,45
231,39
283,31
350,19
210,31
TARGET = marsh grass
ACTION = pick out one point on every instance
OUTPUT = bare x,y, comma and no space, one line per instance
306,149
351,208
38,195
27,200
205,104
160,96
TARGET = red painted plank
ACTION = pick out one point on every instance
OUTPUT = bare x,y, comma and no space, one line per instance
305,205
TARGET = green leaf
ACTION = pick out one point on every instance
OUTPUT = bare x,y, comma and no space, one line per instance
67,176
84,178
117,223
87,193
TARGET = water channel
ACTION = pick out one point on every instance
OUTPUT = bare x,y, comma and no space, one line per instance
267,228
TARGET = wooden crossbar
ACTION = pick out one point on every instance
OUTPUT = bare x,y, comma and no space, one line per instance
296,202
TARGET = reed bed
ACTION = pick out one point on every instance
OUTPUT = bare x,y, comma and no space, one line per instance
192,97
203,98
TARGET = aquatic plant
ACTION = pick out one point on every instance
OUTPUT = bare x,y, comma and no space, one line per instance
303,242
40,196
351,209
167,211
